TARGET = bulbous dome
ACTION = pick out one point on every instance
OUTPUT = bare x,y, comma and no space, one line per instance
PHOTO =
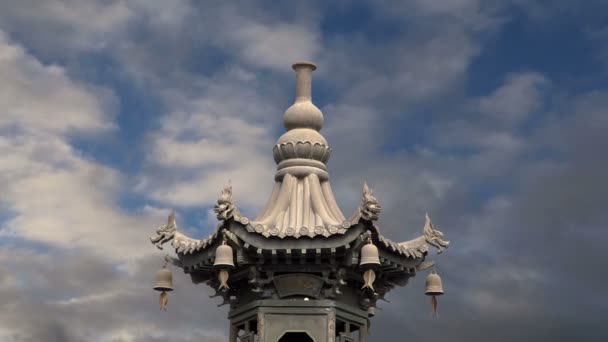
303,114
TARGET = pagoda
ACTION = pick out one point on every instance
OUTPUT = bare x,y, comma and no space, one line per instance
301,270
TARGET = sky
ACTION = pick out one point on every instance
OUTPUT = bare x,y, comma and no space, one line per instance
490,115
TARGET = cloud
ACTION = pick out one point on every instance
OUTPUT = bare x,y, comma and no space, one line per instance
520,96
52,193
65,24
514,177
42,99
273,46
66,298
210,139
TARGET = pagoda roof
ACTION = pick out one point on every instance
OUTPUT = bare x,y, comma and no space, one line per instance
416,248
302,211
301,207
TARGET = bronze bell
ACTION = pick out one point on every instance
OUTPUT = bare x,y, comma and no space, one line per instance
433,285
164,280
369,256
223,256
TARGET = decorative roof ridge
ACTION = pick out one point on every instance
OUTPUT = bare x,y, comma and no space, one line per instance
431,236
369,210
182,243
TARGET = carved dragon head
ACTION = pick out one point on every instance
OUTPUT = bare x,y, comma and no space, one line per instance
225,206
370,208
165,233
433,236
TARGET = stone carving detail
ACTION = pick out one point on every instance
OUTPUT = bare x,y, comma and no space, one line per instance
369,208
165,233
225,208
228,297
301,149
261,284
335,283
433,236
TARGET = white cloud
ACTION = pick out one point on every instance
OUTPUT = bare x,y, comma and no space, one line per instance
52,193
210,147
520,96
275,45
57,25
226,130
42,99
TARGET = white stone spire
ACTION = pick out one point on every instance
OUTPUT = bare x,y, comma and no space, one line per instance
303,113
302,202
302,144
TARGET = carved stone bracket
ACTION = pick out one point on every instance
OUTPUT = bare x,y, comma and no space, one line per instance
227,295
335,283
261,284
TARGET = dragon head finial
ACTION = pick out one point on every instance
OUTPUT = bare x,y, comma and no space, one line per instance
225,205
370,208
433,236
165,233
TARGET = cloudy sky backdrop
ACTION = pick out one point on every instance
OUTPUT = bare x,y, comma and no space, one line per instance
491,115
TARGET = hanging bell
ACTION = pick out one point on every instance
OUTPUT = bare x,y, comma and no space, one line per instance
223,256
164,280
164,283
434,289
223,261
433,285
369,256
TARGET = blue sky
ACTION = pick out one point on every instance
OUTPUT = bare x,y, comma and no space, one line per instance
491,115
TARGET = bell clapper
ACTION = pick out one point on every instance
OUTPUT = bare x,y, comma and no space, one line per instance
434,306
369,277
164,299
223,278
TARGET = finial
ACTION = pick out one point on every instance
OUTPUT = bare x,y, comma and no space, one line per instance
433,236
304,80
370,208
303,113
225,208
